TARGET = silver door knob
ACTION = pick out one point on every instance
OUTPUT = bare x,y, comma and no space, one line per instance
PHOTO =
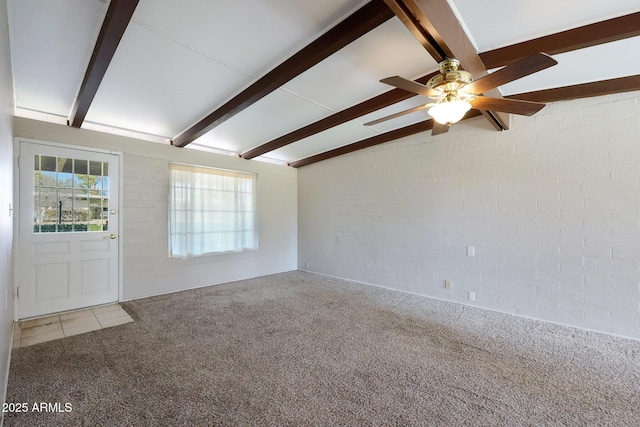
110,236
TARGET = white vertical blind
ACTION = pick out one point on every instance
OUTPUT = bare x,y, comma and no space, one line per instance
211,211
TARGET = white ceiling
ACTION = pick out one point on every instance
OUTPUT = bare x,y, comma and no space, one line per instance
178,61
507,22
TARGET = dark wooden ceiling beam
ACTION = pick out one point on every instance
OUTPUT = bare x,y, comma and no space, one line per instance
366,143
435,18
564,93
584,90
419,32
356,25
374,140
115,23
373,104
597,33
565,41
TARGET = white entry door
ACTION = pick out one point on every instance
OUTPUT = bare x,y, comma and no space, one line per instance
68,229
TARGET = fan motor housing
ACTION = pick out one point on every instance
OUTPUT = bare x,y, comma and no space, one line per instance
450,77
450,81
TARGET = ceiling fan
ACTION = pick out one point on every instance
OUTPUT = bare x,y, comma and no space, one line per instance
455,92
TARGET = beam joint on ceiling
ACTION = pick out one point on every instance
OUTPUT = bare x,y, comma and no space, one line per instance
508,54
413,25
565,41
115,23
353,27
437,19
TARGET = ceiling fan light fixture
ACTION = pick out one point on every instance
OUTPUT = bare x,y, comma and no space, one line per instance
448,112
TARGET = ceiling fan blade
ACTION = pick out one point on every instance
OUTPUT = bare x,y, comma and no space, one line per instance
524,67
401,113
525,108
410,86
439,128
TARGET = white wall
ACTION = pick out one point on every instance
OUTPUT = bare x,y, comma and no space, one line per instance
552,208
6,199
147,269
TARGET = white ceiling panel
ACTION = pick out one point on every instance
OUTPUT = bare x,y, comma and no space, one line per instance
51,43
401,121
503,22
335,137
157,86
274,115
353,73
179,61
582,66
252,35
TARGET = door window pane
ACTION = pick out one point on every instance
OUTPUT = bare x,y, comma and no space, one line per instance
65,172
46,173
70,195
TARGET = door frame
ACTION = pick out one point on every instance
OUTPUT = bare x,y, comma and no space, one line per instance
18,216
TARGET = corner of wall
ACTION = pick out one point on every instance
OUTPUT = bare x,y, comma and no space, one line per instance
550,206
6,200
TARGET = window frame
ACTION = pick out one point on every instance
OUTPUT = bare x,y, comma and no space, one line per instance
217,172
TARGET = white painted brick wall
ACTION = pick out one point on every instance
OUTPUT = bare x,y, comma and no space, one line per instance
552,207
147,268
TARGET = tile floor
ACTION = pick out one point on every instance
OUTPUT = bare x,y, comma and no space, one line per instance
35,331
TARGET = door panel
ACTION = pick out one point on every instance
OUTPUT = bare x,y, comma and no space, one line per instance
68,246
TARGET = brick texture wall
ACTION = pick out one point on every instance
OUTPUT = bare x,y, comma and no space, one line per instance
147,269
552,208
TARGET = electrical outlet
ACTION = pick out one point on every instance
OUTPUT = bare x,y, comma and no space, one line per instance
448,284
339,239
472,296
306,265
471,251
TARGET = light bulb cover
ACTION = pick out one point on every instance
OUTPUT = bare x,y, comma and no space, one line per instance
449,112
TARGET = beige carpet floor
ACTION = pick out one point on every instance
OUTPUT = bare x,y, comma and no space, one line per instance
299,349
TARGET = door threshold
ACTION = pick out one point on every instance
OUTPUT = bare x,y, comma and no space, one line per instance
62,325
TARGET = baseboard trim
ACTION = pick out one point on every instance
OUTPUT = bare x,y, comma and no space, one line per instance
474,306
201,286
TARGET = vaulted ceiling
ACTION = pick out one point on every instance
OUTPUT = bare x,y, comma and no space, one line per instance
295,81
